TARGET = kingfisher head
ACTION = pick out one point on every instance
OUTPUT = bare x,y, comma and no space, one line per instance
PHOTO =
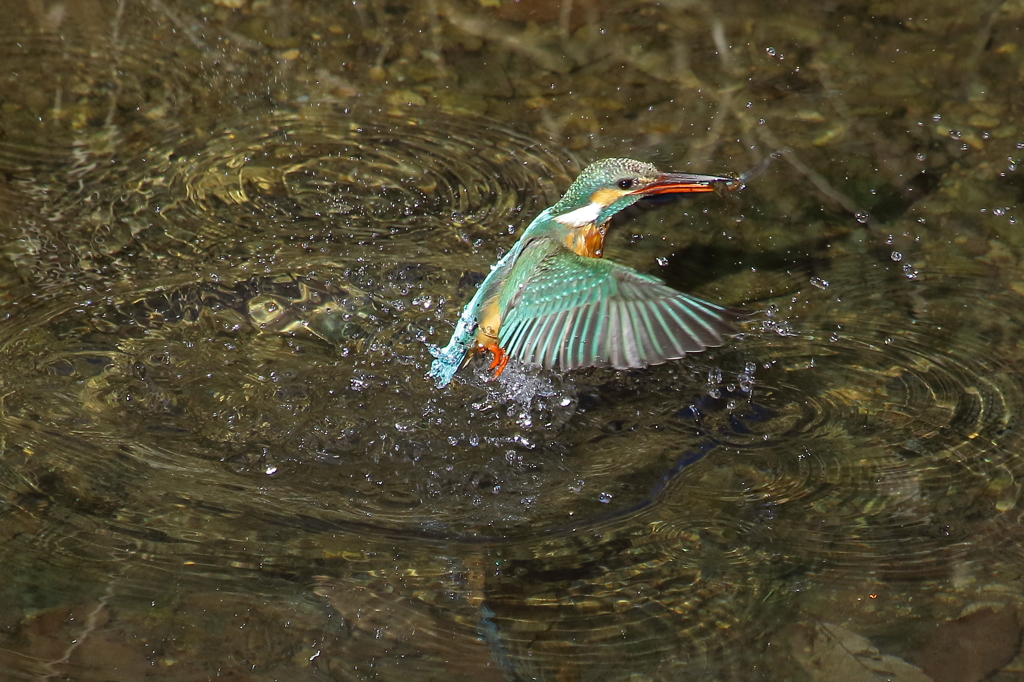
606,187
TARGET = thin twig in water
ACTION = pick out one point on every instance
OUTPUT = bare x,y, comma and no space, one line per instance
504,34
718,36
762,165
115,68
91,623
436,30
177,21
565,19
818,180
699,155
57,99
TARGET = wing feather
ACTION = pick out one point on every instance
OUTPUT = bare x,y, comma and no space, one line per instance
545,327
651,342
514,331
575,352
570,311
556,342
613,337
635,336
663,335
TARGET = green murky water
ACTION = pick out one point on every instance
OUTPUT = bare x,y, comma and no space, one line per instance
229,230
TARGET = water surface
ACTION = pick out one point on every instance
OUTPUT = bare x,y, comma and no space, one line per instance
231,229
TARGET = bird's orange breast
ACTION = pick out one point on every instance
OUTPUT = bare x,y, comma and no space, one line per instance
586,241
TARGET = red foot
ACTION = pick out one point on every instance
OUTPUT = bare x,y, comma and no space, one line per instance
500,359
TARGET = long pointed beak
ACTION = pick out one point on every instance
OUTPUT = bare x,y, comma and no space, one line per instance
683,183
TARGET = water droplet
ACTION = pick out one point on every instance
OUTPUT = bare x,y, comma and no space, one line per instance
862,217
921,156
998,211
834,337
750,368
604,498
819,282
896,256
662,261
770,51
271,470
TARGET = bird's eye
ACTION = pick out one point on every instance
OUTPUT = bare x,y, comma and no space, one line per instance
626,183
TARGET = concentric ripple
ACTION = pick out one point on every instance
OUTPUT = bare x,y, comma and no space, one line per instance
288,187
875,431
873,441
219,269
222,371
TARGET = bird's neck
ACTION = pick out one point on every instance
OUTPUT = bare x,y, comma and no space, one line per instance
587,240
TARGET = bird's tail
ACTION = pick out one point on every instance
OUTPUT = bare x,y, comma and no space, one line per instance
446,363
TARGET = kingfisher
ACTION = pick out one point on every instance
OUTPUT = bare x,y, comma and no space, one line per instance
553,301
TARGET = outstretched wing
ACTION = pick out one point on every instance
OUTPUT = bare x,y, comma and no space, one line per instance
586,312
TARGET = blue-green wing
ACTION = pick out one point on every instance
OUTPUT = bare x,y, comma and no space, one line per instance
574,312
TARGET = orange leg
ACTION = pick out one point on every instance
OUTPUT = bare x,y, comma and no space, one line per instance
500,358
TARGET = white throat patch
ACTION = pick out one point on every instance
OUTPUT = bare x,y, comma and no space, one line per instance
581,216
